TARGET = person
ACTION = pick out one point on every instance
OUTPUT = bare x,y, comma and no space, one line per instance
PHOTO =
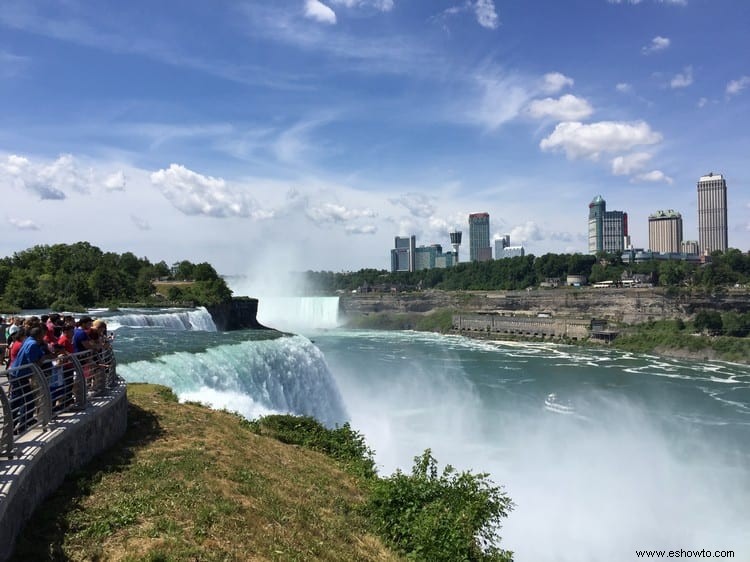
32,351
65,343
16,341
81,341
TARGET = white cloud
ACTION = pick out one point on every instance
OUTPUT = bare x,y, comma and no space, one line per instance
335,213
556,81
11,64
418,204
115,181
23,224
565,108
140,223
196,194
381,5
486,14
525,233
654,176
630,163
316,10
48,181
502,100
366,229
580,140
702,102
624,87
734,87
683,79
672,2
657,44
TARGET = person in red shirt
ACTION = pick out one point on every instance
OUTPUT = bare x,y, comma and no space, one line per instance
15,347
66,338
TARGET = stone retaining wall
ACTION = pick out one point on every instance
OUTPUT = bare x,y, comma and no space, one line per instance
43,459
576,329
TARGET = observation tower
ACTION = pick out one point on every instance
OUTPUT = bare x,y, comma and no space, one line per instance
455,242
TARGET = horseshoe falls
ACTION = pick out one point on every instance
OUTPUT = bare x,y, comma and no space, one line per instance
633,452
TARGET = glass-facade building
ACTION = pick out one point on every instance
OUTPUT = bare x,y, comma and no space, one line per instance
479,237
607,229
403,254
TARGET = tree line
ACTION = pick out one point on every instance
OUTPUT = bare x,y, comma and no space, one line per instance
521,272
76,276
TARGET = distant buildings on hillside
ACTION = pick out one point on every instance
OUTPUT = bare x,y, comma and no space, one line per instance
407,256
607,232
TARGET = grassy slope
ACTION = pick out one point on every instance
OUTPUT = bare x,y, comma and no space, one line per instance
189,483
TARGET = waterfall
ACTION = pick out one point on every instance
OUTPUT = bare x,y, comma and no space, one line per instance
196,319
282,375
299,313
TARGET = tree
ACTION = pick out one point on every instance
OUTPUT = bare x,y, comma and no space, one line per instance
440,517
708,320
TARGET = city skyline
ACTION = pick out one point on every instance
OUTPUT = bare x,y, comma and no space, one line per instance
307,133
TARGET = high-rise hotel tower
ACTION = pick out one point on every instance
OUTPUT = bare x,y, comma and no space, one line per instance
479,237
608,230
665,232
712,213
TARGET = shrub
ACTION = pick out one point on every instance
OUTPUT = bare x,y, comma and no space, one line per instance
450,517
342,443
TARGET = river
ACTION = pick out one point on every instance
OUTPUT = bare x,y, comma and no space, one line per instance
632,452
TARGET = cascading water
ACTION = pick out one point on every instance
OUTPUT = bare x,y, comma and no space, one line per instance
193,319
280,375
299,313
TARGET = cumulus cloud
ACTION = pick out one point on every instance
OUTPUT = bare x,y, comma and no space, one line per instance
486,14
682,79
656,176
630,163
418,204
46,180
565,108
335,213
22,224
316,10
553,82
526,232
115,181
366,229
657,44
580,140
196,194
140,223
734,87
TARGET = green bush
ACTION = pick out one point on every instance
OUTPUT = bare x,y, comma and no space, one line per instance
450,517
342,443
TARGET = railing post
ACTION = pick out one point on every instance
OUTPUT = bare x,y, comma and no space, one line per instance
6,431
43,398
79,383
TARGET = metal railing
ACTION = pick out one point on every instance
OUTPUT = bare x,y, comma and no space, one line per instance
32,396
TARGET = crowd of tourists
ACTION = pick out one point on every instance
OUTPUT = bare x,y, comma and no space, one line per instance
48,341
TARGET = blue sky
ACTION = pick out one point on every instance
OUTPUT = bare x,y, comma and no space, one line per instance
307,134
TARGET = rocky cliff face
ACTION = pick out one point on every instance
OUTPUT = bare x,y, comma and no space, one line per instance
239,314
617,305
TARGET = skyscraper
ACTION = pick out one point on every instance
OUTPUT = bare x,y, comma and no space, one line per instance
479,237
712,213
665,232
607,229
404,254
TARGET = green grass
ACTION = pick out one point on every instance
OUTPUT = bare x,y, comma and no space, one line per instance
189,483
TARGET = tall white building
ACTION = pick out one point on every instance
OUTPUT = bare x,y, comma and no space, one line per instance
665,232
712,213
